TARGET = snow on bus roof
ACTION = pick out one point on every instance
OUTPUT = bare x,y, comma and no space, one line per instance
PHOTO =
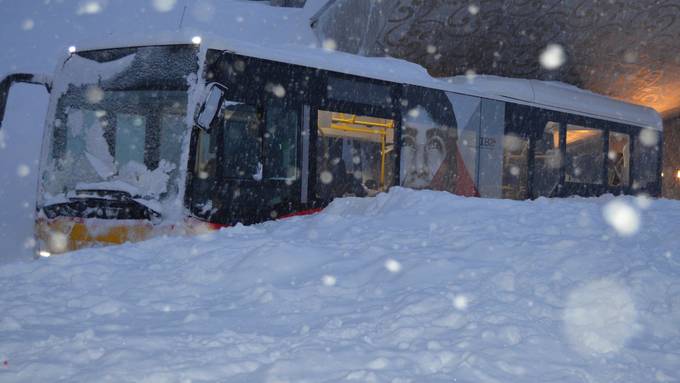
284,35
547,94
563,97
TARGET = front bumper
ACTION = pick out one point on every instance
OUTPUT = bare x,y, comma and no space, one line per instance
64,234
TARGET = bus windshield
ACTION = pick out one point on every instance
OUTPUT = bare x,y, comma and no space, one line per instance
119,122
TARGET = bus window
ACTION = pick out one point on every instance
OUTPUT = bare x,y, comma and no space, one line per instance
490,143
353,90
355,154
515,166
173,128
428,152
547,161
467,112
646,161
585,155
204,173
130,137
241,141
280,142
94,145
618,160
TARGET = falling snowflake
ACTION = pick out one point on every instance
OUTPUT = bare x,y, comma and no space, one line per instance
27,24
90,8
622,217
23,170
330,45
164,5
329,280
649,137
393,265
460,302
552,57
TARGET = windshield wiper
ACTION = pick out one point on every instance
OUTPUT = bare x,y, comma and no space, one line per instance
104,204
114,195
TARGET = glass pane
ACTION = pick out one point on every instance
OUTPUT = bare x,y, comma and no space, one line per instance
491,140
428,149
127,87
172,135
646,160
618,156
121,138
242,141
204,174
281,143
359,91
547,161
88,148
468,114
130,136
206,156
585,155
355,154
515,166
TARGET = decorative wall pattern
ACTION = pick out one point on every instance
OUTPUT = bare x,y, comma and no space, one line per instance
628,49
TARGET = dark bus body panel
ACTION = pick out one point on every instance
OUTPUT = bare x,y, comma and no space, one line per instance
347,135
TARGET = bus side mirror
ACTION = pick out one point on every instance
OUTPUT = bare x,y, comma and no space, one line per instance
28,78
210,106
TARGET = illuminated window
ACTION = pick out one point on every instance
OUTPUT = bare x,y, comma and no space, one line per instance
618,160
585,156
355,154
547,161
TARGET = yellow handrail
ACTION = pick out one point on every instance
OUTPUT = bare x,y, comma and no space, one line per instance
353,120
358,130
371,127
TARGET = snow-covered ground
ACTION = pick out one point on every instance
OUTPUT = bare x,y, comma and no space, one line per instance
410,286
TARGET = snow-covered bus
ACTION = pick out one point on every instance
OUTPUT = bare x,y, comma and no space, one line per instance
181,137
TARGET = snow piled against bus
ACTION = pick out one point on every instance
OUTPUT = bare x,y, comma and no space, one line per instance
409,286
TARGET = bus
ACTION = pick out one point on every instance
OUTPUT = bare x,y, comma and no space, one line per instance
188,136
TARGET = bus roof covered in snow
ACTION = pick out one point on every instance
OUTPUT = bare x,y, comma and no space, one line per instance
545,94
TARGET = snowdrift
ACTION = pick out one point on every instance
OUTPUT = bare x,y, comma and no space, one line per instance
409,286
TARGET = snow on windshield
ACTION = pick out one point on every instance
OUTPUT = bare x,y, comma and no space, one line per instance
119,122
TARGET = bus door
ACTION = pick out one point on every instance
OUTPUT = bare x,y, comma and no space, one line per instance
619,159
546,157
492,151
585,147
248,153
250,161
282,167
354,149
228,165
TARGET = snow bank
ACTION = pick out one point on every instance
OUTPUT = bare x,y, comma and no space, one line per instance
410,286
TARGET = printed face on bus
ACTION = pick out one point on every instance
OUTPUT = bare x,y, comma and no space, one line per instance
424,148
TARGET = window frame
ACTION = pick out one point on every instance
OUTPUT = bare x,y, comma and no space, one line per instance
326,103
539,116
